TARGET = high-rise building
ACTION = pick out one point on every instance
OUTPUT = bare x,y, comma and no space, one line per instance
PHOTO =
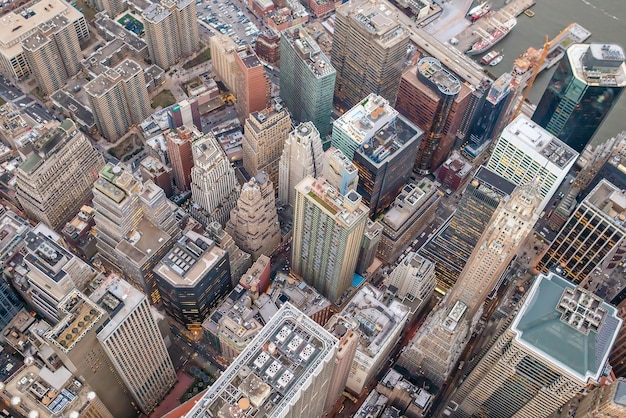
339,171
253,222
53,53
435,349
385,159
154,170
132,341
257,278
369,246
10,303
381,322
239,261
434,99
185,113
454,242
55,180
267,47
556,346
525,151
414,208
180,155
192,277
591,237
112,7
264,137
346,330
412,281
171,31
214,187
252,85
307,81
224,65
21,23
327,232
284,372
369,48
302,156
605,401
584,88
119,99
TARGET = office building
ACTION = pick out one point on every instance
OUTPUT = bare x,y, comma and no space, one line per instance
381,323
10,303
192,277
214,187
587,83
412,281
327,232
592,236
284,372
21,23
53,53
413,210
267,47
307,81
186,112
454,172
224,64
13,229
73,344
158,209
180,155
525,151
55,180
154,170
369,246
257,278
239,261
265,133
302,156
252,85
369,48
346,330
119,99
132,341
453,243
556,346
253,222
339,171
605,401
385,159
434,99
171,31
436,347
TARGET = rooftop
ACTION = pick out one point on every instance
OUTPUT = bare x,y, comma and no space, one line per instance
338,156
47,256
269,374
249,58
598,64
438,76
610,200
366,119
155,13
207,152
128,68
146,240
103,83
411,197
189,261
495,181
304,297
523,132
565,326
13,229
309,51
67,102
104,23
377,17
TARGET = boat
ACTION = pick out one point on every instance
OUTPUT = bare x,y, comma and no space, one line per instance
479,11
495,36
487,58
529,13
497,60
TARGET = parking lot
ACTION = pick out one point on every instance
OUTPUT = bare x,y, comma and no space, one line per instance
229,18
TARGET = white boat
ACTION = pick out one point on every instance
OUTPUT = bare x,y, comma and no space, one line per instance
497,60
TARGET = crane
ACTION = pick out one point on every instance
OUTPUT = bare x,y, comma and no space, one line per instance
538,64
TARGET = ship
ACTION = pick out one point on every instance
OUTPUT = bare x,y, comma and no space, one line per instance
479,11
487,58
493,37
497,60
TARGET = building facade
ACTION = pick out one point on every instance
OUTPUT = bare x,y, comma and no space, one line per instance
339,171
251,85
180,155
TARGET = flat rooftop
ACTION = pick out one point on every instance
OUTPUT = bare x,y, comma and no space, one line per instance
569,328
128,68
268,375
377,17
438,76
155,13
249,58
598,64
411,197
104,22
46,255
309,51
337,155
304,297
495,181
103,83
141,243
119,299
523,132
68,103
367,118
610,200
12,231
206,151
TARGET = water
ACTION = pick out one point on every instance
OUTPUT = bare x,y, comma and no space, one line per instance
606,19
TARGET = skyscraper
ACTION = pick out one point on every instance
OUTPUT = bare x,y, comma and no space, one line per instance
557,345
436,347
239,261
10,303
339,171
180,155
346,330
119,99
264,137
327,232
592,236
412,281
369,246
214,187
225,67
606,401
369,47
171,31
133,343
584,88
454,242
525,151
55,180
429,96
284,372
252,85
302,156
307,81
253,221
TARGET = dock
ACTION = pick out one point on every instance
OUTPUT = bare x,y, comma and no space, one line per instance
489,22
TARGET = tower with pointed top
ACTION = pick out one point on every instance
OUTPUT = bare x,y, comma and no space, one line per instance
436,347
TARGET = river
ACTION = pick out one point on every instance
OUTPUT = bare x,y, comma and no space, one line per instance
606,19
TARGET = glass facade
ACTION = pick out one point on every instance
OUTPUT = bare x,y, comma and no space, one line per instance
10,303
